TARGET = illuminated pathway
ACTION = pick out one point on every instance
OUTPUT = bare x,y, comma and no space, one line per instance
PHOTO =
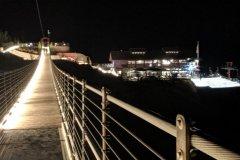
32,131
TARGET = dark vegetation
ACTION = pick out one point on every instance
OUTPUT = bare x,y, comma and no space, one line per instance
6,40
10,62
212,112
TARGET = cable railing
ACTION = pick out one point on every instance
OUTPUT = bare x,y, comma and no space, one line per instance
100,126
12,84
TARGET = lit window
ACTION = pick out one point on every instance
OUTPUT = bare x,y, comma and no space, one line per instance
131,62
140,62
138,52
166,62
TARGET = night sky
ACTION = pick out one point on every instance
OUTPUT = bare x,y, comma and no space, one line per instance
95,28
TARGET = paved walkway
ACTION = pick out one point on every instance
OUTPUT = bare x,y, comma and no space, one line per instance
32,132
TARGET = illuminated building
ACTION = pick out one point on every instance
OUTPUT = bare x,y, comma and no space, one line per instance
168,62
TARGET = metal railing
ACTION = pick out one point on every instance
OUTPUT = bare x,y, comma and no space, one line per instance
100,126
12,84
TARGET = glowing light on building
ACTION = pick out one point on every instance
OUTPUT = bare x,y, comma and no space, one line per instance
138,52
191,66
111,71
166,62
172,52
139,62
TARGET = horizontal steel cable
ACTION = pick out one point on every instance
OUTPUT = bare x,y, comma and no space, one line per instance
212,149
97,130
133,135
89,131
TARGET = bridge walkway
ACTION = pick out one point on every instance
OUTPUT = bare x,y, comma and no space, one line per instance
33,130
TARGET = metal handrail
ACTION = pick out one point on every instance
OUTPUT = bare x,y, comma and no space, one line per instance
83,116
12,84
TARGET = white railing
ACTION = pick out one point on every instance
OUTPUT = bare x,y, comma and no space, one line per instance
100,126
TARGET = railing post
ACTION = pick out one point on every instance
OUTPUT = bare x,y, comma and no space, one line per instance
104,122
73,93
68,89
61,87
64,92
183,140
58,79
83,118
68,118
74,118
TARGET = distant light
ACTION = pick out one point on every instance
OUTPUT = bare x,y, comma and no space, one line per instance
11,48
166,62
172,52
139,52
140,62
112,71
214,82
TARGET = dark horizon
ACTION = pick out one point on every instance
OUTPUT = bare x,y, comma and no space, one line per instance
98,27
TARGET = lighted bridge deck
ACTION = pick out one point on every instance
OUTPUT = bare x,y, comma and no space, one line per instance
32,131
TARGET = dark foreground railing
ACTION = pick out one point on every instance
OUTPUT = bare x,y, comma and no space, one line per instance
99,126
12,83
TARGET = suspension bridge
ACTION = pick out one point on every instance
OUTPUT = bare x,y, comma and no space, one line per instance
47,114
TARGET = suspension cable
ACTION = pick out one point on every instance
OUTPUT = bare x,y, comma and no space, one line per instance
39,16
